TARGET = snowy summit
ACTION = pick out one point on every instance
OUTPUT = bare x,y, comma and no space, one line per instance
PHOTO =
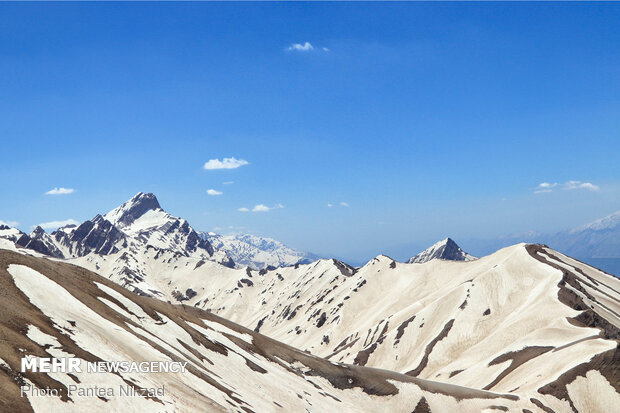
445,249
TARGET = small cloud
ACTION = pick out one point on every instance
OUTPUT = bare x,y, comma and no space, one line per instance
264,208
329,205
214,192
543,191
306,47
225,163
218,229
298,47
546,187
570,185
60,191
228,183
261,208
9,223
344,204
57,224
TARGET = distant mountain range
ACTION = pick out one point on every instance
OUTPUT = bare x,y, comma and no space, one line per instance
141,223
599,239
597,243
257,252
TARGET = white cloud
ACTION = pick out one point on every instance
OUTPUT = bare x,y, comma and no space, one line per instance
214,192
9,223
344,204
546,187
261,208
580,185
264,208
225,163
306,47
329,205
228,183
298,47
57,224
542,191
60,191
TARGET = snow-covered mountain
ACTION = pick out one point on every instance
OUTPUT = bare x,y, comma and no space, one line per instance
527,321
52,309
38,240
598,239
467,323
445,249
526,318
125,243
526,328
257,252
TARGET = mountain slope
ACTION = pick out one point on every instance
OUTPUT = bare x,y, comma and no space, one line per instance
52,309
445,249
257,252
523,318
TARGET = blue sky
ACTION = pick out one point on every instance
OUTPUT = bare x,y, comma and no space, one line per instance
427,119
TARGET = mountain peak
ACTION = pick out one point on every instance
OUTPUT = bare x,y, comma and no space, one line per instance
38,231
609,222
446,249
148,199
133,209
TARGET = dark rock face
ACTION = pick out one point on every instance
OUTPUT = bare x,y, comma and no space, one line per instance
451,251
97,235
228,262
345,269
137,206
37,241
38,232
